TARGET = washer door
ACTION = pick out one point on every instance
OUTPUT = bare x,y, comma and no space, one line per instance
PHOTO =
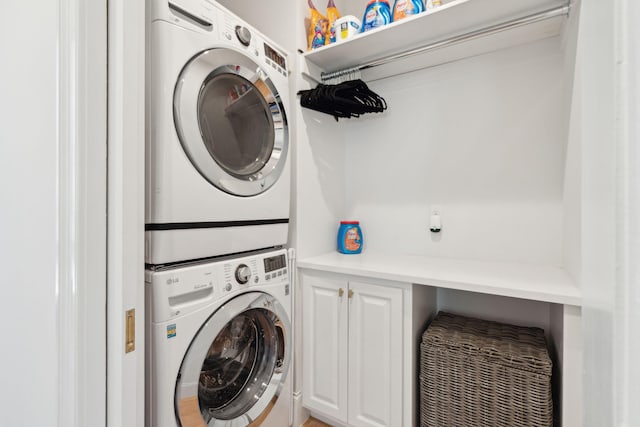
231,122
235,367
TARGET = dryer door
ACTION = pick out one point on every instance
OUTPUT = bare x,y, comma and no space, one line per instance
234,369
231,122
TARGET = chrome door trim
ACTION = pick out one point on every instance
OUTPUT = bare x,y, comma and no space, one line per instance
200,69
189,373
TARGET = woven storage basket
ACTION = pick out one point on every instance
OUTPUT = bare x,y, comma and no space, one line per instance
484,374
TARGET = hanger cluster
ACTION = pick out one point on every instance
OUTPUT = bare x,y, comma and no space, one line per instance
344,100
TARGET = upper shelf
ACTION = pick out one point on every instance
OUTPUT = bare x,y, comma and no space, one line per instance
451,22
516,280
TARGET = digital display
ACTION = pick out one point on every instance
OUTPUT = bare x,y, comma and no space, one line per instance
275,56
274,263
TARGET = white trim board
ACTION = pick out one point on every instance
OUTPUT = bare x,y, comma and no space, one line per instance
82,138
125,270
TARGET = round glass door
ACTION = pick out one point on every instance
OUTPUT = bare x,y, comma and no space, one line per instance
235,367
235,127
231,122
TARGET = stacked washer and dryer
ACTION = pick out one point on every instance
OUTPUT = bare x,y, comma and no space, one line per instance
217,212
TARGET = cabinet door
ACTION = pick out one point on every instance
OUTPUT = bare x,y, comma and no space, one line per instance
375,355
324,341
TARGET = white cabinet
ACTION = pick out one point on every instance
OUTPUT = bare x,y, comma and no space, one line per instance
375,355
359,342
324,345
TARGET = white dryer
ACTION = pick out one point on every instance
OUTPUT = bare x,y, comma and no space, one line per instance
218,174
219,343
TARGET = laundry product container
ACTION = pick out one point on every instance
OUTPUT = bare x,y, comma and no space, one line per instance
350,238
484,374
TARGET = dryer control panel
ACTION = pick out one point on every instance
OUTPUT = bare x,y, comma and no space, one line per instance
266,53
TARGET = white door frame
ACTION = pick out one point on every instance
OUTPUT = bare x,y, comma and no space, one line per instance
101,211
627,298
125,242
82,223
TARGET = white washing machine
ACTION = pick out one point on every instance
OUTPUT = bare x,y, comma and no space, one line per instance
218,174
219,343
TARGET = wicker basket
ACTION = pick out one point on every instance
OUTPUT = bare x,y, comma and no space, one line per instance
484,374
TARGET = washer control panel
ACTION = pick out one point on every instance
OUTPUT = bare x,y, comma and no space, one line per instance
243,34
243,274
275,267
172,291
255,270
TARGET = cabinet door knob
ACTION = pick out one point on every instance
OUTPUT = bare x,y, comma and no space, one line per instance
340,292
350,293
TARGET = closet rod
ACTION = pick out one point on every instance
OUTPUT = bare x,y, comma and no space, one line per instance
483,32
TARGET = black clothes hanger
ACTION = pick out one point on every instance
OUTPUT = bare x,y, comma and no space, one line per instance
344,100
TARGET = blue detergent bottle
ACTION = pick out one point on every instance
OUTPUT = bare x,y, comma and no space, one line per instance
350,237
377,14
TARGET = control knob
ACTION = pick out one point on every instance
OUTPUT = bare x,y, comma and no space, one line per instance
243,273
243,34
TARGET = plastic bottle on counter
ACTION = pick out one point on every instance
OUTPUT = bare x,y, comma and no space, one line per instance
405,8
350,237
377,14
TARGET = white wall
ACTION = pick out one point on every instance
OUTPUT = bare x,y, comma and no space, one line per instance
513,311
484,139
29,213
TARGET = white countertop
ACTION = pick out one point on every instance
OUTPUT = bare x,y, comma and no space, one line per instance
518,280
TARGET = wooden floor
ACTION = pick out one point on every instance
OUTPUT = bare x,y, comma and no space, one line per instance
312,422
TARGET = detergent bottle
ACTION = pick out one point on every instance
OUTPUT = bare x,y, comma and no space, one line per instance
377,14
404,8
332,15
350,237
317,29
